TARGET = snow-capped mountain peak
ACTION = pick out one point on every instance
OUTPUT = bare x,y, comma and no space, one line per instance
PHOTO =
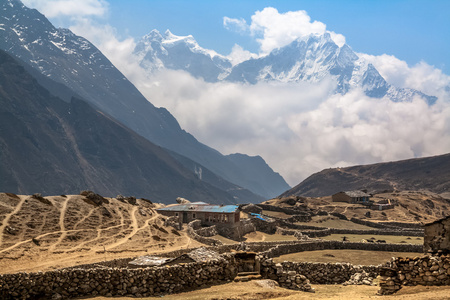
309,58
157,51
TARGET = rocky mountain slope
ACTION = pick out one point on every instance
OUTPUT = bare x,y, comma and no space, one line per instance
74,62
429,173
308,59
53,147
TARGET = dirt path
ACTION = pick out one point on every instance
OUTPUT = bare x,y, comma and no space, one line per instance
134,226
5,221
62,215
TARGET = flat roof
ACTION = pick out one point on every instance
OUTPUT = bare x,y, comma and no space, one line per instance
202,208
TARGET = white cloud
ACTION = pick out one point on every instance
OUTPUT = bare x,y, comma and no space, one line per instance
299,128
279,29
422,76
238,25
238,55
73,8
118,51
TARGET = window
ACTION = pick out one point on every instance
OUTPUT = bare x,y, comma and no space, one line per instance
193,216
176,214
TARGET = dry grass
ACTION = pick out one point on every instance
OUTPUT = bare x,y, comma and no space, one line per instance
388,238
276,214
355,257
333,222
257,236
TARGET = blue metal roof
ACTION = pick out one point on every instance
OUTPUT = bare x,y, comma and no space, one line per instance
202,207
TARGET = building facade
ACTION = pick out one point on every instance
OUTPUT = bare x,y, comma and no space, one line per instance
358,197
220,215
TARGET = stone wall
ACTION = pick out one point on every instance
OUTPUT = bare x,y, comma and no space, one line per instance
112,282
318,273
426,270
114,279
191,231
293,247
296,233
437,236
316,231
207,231
389,225
288,211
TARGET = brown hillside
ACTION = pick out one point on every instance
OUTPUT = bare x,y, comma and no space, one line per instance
52,232
410,206
429,173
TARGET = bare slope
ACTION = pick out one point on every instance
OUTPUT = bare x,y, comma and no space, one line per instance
54,147
429,173
56,231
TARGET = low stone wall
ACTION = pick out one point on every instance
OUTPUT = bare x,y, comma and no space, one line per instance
112,282
403,225
425,270
340,216
389,225
296,233
294,247
288,211
207,231
316,231
193,234
318,273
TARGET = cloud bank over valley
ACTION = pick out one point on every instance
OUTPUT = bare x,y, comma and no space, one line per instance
298,128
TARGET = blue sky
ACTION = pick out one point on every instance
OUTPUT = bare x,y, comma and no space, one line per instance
410,30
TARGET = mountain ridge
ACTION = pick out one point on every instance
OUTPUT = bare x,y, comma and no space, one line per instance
310,58
429,173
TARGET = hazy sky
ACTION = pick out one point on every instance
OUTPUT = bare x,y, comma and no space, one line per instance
298,128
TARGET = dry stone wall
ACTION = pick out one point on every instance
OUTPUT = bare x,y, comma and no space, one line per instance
426,270
318,273
294,247
112,282
191,230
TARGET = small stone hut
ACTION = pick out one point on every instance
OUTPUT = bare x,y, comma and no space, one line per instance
358,197
437,236
219,215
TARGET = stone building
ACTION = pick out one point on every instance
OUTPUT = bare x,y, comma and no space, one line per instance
358,197
219,215
437,236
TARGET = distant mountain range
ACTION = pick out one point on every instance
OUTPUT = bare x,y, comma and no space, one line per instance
70,66
429,173
308,59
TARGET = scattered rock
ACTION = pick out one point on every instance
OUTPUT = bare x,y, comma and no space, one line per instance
182,201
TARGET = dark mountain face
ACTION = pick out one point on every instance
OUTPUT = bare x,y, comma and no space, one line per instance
54,147
74,62
430,173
